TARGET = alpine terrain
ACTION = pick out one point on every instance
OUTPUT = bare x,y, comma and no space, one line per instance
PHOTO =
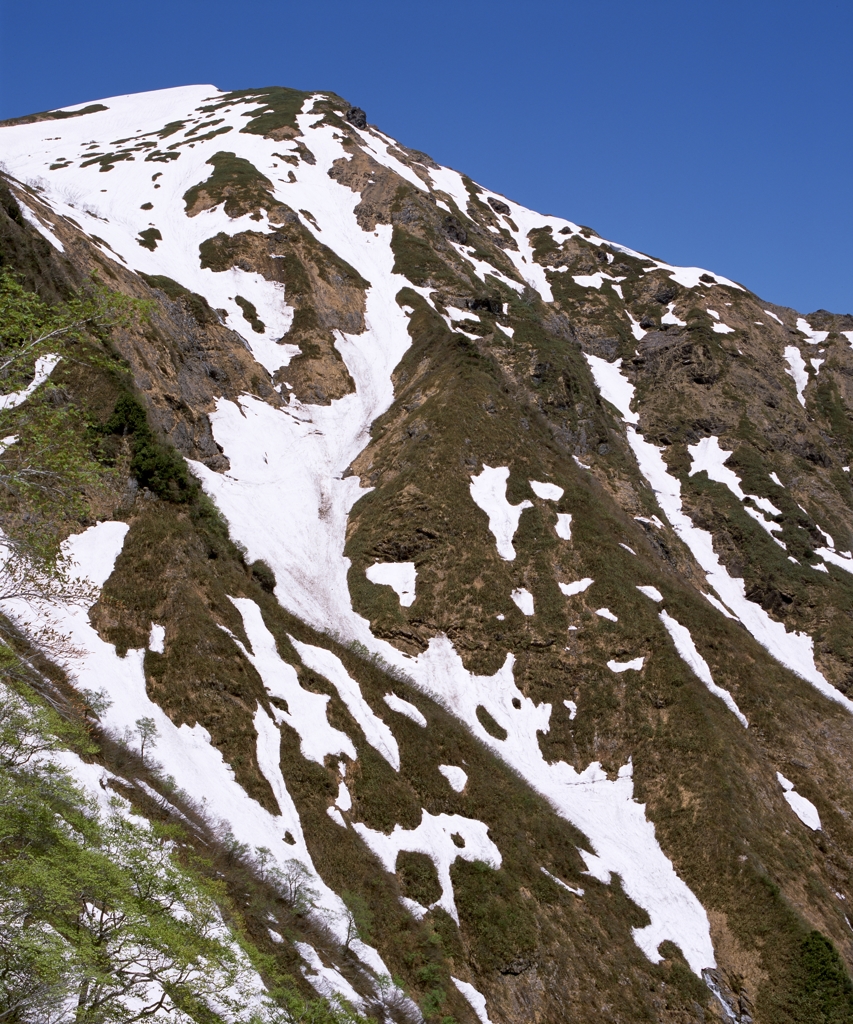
414,607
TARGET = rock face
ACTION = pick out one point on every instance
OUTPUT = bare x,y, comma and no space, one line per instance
617,494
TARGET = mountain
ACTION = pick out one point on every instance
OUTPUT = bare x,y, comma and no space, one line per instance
482,588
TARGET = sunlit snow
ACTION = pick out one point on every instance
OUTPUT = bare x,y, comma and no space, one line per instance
399,576
488,490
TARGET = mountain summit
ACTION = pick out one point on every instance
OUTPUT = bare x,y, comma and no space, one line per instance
484,587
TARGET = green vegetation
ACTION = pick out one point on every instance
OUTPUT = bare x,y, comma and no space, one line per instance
149,238
155,465
250,314
234,181
110,913
49,460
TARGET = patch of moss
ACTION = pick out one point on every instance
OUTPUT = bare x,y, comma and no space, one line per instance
250,314
235,182
149,238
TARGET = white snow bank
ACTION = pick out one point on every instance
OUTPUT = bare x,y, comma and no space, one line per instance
687,651
403,707
560,882
573,709
157,639
578,587
400,576
563,529
614,386
606,613
42,229
550,492
326,981
45,365
812,337
670,317
457,777
707,456
838,558
489,492
329,665
804,809
651,592
307,712
797,370
185,753
524,599
434,837
476,999
624,666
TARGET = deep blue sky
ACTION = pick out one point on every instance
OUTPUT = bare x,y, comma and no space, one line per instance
715,134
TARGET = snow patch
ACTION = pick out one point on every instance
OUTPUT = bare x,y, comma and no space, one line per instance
476,999
563,529
489,493
330,666
549,492
651,592
157,639
578,587
797,370
399,576
804,809
457,777
624,666
687,651
524,599
45,365
606,613
403,707
434,837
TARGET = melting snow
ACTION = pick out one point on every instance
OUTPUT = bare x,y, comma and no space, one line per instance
329,665
804,809
573,709
400,576
687,650
624,666
157,639
45,365
614,386
457,777
776,480
560,882
812,337
326,980
42,229
489,492
403,707
306,711
578,587
434,837
606,613
651,592
563,528
797,370
550,492
524,599
669,317
476,999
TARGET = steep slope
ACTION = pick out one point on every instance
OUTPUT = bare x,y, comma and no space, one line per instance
532,635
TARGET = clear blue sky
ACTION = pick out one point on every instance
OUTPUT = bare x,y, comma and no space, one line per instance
717,134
